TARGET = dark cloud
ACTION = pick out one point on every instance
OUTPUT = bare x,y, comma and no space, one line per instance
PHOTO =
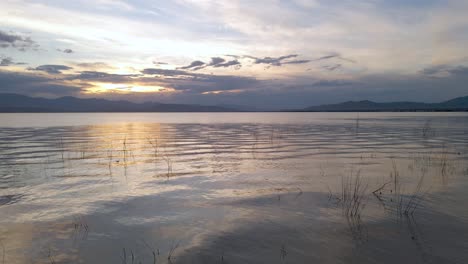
33,85
102,77
332,83
9,38
459,70
51,69
278,61
195,65
215,61
347,59
229,64
327,57
197,82
68,51
444,70
152,71
296,62
176,73
436,69
233,56
198,65
316,85
16,41
93,65
209,83
296,92
334,56
332,67
7,61
159,63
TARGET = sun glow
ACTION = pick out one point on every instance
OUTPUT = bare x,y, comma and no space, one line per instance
126,88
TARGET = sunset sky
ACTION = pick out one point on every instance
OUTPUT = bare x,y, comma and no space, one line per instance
269,54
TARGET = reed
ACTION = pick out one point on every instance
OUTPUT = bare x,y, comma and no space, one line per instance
109,158
357,120
171,251
154,144
414,199
153,251
51,257
427,130
3,252
169,164
124,150
62,150
403,203
283,252
353,193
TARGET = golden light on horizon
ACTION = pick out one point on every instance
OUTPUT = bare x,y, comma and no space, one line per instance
126,88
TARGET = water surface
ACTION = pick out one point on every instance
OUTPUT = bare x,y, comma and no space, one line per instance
234,188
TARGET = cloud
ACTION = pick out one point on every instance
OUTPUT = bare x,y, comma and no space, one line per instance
152,71
9,38
159,63
102,77
296,92
334,55
198,82
233,56
333,83
51,69
8,61
215,61
278,61
296,62
93,65
444,70
195,65
332,67
435,69
327,57
218,62
459,70
16,41
68,51
34,85
208,83
229,64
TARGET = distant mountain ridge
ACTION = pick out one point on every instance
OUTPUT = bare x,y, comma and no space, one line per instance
15,103
456,104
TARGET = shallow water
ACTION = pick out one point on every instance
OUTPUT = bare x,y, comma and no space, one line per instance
234,188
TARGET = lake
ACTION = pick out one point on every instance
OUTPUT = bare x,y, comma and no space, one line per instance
234,188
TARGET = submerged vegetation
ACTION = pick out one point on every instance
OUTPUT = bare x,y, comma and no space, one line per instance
399,195
353,194
3,251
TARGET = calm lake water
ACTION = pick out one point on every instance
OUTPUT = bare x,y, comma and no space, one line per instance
234,188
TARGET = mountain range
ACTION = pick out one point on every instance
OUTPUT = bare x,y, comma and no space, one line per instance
14,103
456,104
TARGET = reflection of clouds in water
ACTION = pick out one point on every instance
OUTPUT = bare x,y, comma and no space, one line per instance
236,190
